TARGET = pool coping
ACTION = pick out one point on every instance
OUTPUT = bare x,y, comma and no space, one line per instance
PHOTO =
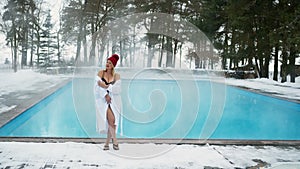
155,141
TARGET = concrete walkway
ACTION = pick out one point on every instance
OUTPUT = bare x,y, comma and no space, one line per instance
145,156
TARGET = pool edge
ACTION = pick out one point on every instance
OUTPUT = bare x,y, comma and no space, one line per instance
155,141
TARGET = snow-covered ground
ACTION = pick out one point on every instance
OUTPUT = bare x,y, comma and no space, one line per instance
26,83
81,156
286,90
84,155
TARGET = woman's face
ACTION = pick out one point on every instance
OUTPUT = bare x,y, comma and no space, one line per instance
109,65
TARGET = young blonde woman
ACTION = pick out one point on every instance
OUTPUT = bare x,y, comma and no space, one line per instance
108,101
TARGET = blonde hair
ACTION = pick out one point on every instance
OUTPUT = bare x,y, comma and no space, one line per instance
113,72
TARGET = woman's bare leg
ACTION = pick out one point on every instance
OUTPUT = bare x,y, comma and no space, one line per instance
111,126
108,137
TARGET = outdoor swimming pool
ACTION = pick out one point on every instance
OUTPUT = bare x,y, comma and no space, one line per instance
162,109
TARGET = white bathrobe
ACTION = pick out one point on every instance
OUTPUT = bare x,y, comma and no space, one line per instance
102,106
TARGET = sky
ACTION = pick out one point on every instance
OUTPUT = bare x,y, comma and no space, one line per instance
55,6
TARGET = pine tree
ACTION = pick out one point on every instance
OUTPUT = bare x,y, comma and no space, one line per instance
19,18
48,44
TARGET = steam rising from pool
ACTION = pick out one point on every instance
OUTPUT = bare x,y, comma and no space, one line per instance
149,105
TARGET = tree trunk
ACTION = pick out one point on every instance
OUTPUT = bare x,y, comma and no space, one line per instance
275,74
14,46
180,55
121,52
101,53
261,67
15,51
161,51
197,62
79,36
266,66
175,51
283,71
257,67
231,61
85,59
169,60
93,47
211,56
132,52
31,48
150,54
225,53
292,61
38,47
58,48
78,45
24,48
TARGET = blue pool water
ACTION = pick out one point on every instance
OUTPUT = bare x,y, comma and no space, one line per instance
163,109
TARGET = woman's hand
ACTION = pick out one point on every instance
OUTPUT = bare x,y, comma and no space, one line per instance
102,84
108,98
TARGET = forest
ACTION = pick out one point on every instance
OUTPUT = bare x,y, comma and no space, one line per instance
244,33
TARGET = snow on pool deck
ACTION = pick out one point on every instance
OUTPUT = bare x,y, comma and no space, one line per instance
88,155
81,155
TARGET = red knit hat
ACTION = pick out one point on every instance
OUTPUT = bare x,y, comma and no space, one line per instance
114,59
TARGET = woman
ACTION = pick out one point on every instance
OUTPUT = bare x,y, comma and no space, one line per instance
108,101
